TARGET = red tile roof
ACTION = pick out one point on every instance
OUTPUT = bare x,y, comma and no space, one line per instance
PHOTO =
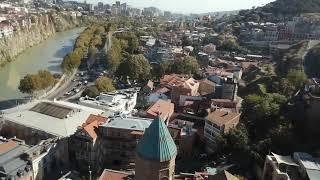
91,129
7,146
223,175
165,108
92,123
221,118
115,175
150,84
162,90
226,103
173,79
92,117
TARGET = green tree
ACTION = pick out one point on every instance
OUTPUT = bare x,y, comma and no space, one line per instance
46,78
91,91
186,41
70,62
137,67
313,61
114,56
236,144
296,78
129,41
133,43
230,45
261,113
159,70
30,83
35,82
189,65
218,40
104,84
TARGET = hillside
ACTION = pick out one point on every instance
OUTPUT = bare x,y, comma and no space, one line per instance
292,7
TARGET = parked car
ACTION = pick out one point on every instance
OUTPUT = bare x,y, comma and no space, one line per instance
76,90
67,93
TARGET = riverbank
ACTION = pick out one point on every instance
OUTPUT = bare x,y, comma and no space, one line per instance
38,29
46,55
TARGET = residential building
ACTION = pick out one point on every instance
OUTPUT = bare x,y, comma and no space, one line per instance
159,93
109,174
148,87
119,140
180,85
12,164
206,87
226,104
44,120
184,136
277,167
203,59
83,145
209,49
218,122
309,167
156,153
229,89
122,101
5,30
165,108
21,161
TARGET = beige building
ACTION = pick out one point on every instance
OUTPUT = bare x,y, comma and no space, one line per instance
119,139
83,145
206,87
218,122
180,85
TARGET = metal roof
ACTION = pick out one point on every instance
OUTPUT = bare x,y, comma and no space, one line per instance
11,161
157,143
131,123
23,115
51,109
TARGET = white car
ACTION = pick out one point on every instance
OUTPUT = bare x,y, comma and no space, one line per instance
76,90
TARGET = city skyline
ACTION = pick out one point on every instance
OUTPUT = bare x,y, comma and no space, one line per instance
191,6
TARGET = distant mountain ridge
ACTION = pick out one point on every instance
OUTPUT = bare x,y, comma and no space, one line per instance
292,7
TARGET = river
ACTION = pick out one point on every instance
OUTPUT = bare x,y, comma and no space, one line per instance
46,55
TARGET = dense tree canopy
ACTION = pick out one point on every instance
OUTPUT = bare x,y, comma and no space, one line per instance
130,40
313,61
104,84
86,45
293,7
70,62
114,55
35,82
261,112
91,91
296,78
136,67
189,65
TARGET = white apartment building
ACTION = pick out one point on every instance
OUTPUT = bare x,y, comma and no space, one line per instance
122,101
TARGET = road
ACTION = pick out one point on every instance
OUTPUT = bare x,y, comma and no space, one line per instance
95,67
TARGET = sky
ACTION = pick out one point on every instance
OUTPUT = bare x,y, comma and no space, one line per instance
191,6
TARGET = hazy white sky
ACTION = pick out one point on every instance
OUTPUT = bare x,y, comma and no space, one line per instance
192,6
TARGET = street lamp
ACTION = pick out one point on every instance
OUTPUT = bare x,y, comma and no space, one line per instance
90,173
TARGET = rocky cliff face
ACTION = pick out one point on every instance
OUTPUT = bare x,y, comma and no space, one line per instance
33,31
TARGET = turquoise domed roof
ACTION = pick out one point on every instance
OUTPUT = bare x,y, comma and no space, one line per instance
157,143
